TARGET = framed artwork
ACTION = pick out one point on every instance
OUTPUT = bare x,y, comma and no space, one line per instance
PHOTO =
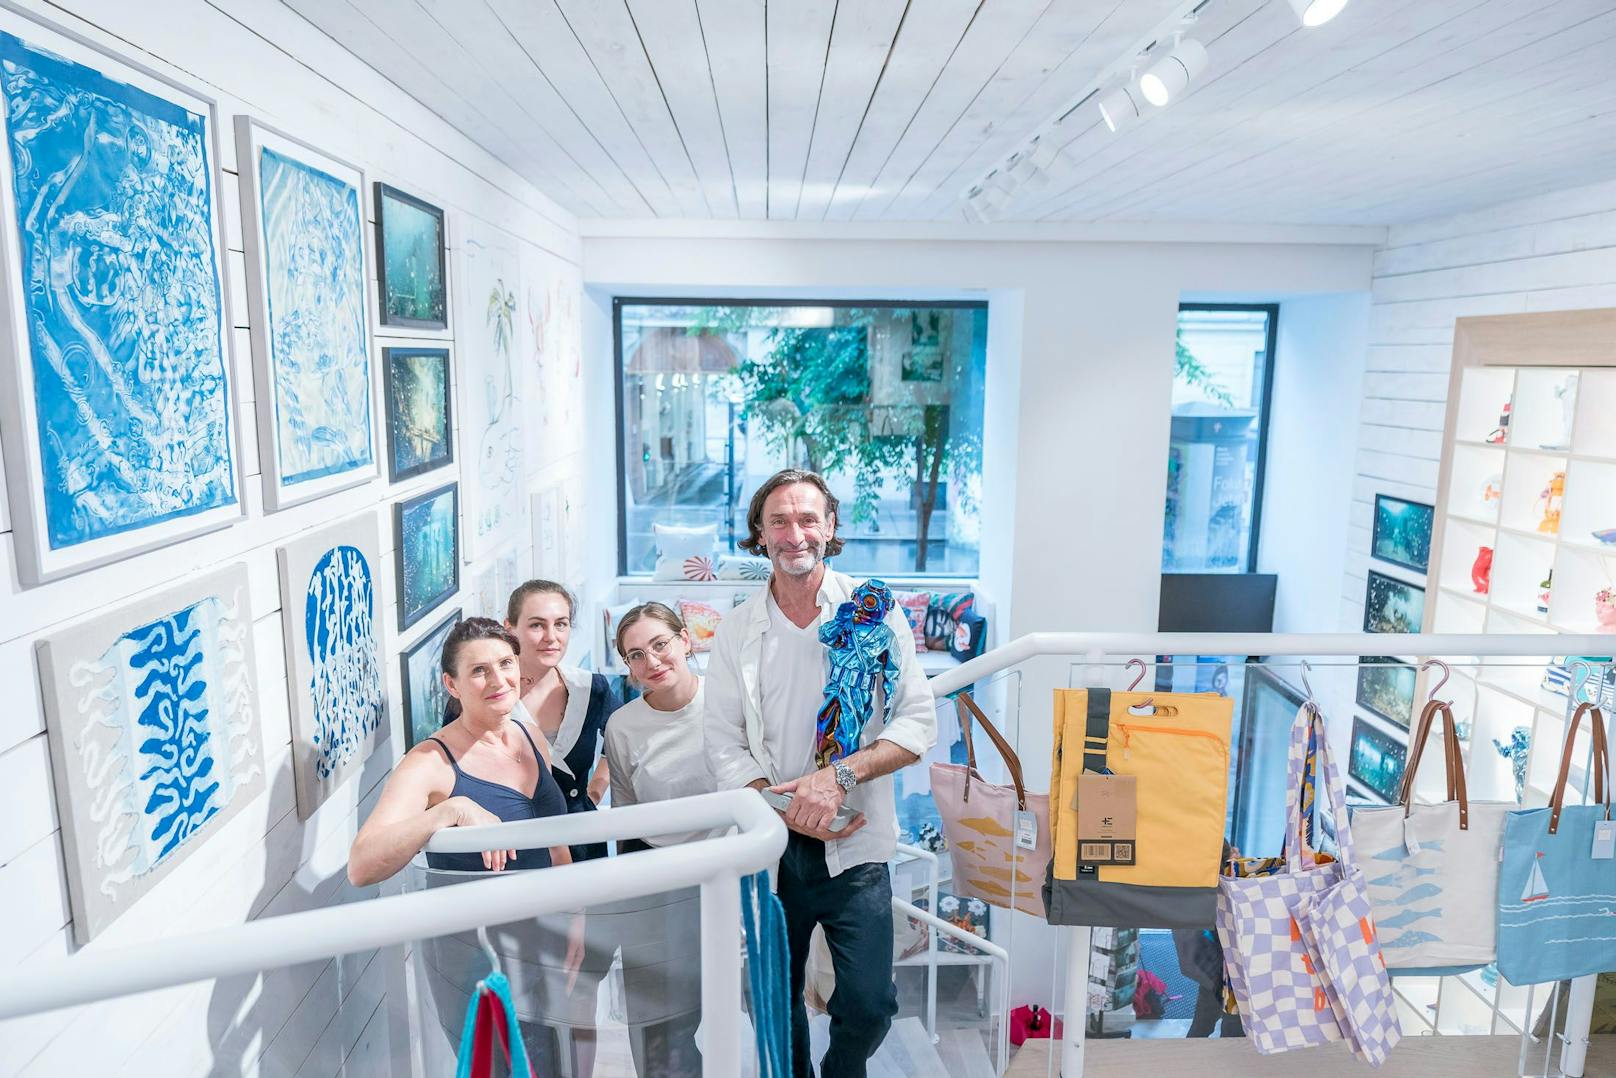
1386,688
115,374
426,551
971,914
331,621
1392,605
550,355
1376,760
549,543
417,386
490,426
424,694
411,277
302,215
1402,532
151,714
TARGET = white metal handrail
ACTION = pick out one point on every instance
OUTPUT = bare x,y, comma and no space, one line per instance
1001,965
933,879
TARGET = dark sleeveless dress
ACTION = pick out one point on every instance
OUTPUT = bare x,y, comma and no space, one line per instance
506,802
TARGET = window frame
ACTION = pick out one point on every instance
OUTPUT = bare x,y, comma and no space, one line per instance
619,302
1264,413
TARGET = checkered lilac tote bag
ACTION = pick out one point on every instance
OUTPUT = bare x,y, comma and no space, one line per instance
1299,946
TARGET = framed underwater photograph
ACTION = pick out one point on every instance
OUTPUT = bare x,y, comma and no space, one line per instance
1376,760
418,387
411,271
424,694
1392,605
1386,687
1402,532
426,551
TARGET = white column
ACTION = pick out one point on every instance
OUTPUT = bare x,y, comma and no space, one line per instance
1579,1016
1075,1019
721,976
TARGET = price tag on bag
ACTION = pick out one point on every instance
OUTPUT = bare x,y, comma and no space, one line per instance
1107,819
1604,840
1026,830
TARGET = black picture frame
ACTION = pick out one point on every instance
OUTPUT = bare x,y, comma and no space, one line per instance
1376,759
405,545
431,708
1401,535
384,192
391,355
1381,594
1382,681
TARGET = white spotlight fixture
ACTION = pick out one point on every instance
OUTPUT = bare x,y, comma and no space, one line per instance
1317,12
1043,154
1120,107
1170,76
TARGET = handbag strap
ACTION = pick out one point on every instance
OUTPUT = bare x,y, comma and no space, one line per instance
1452,758
968,709
1097,729
1601,763
1310,724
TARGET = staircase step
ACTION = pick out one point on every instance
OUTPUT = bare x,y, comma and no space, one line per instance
964,1053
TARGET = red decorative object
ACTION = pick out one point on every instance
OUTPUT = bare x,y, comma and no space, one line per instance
1481,573
1501,431
1030,1022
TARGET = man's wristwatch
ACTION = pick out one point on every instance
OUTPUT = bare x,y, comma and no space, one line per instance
845,777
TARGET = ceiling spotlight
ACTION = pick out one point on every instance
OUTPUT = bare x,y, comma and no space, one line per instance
1170,76
1024,169
1120,107
1317,12
1043,154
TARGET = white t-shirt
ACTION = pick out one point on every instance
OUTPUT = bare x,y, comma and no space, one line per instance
657,756
793,670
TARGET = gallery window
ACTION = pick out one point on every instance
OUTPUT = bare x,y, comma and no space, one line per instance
1222,385
884,399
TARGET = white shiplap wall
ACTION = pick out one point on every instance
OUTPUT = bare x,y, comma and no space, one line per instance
324,1018
1550,253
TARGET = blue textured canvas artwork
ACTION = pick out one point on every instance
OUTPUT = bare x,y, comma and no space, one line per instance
315,283
152,723
345,683
426,546
114,214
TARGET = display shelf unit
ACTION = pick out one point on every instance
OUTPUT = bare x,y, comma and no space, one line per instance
1531,397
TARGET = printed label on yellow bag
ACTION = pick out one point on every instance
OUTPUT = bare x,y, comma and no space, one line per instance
1107,818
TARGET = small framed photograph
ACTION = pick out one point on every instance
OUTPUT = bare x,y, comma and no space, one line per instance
424,694
426,551
1402,533
1376,760
418,388
1392,605
1386,688
410,269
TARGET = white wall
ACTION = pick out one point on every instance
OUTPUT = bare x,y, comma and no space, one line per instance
1079,385
1550,253
257,58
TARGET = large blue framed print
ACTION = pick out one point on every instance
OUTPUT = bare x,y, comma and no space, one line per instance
119,435
303,215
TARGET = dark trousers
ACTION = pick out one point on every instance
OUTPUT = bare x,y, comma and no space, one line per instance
855,909
1209,1014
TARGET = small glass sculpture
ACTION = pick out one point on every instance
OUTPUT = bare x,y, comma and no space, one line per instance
1605,609
1481,570
1520,744
1549,502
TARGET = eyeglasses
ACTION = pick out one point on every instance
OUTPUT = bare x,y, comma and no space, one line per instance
657,647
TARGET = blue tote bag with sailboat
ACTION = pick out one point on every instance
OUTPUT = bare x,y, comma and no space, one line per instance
1557,886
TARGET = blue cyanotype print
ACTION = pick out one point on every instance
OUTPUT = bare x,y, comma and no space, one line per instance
345,683
113,189
315,283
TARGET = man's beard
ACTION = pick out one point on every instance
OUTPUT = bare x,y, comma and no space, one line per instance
816,549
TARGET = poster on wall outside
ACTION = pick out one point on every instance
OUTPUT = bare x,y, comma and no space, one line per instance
115,402
489,394
331,619
151,713
551,359
303,215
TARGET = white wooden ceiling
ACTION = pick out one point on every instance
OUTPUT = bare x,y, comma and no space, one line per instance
891,109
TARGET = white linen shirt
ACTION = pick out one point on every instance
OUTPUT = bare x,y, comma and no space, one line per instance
744,744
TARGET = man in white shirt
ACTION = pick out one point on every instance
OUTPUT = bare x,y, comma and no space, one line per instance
765,684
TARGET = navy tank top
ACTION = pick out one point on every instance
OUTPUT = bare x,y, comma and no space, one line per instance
506,802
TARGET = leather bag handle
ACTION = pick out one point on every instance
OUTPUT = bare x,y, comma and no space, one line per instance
967,709
1452,758
1601,763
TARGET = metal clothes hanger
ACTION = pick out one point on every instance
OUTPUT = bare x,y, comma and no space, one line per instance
1307,687
1446,673
1148,705
488,949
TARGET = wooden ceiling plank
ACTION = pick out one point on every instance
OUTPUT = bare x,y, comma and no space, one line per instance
1406,75
860,43
354,31
736,55
799,35
672,36
541,31
988,44
923,46
608,36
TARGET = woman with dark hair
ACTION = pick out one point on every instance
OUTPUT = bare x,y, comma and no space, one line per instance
569,705
484,767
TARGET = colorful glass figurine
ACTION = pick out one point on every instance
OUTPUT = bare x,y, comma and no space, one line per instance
860,644
1550,501
1605,609
1501,431
1481,571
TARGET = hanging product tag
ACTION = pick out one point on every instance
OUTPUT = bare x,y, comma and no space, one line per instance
1604,840
1410,842
1107,819
1026,830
